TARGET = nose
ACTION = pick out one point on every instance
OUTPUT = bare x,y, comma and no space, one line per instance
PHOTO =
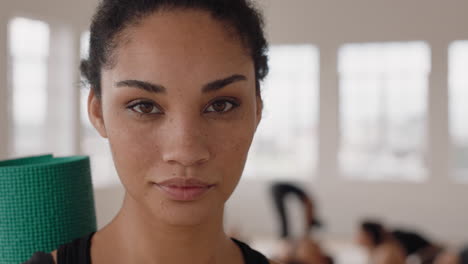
186,143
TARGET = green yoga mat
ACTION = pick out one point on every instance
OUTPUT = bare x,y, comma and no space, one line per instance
44,202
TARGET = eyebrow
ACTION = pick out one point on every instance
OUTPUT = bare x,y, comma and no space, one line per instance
147,86
157,88
219,84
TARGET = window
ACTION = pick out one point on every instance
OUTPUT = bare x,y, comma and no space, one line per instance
458,96
28,77
92,143
285,144
383,93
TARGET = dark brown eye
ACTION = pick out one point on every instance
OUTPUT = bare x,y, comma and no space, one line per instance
221,106
145,108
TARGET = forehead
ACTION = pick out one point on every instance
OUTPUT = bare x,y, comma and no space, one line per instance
180,42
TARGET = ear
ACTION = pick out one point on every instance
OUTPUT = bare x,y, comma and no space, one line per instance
259,109
95,113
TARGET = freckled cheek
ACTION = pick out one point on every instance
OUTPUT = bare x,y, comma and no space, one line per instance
236,145
231,151
134,149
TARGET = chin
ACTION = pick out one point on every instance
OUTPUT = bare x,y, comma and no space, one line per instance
186,214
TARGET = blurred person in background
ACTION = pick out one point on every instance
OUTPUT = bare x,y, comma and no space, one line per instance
418,248
309,252
305,249
382,247
448,258
421,250
282,190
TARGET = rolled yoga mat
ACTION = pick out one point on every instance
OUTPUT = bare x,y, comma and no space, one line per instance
44,202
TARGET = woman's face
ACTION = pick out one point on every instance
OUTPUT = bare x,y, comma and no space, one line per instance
180,110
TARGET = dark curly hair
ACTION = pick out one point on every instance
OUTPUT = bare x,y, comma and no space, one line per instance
113,16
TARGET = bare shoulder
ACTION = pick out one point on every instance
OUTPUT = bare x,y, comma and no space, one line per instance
273,262
54,255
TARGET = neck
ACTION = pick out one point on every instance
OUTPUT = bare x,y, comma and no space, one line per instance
139,238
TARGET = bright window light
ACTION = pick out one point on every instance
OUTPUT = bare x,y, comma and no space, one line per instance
383,104
458,96
28,50
285,145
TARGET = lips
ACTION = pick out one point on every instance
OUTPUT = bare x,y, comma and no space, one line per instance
184,189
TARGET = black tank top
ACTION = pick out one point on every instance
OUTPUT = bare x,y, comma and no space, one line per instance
78,252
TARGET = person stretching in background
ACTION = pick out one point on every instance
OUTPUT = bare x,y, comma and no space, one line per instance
417,246
280,191
425,251
382,247
305,250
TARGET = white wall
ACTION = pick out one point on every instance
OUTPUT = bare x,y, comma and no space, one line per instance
438,206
